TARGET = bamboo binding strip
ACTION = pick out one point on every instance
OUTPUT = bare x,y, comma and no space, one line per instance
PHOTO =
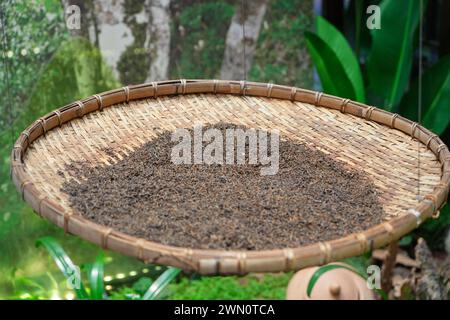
386,146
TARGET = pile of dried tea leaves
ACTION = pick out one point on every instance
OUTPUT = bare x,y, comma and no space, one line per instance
313,197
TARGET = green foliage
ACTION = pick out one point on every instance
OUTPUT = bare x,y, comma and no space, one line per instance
160,284
199,39
95,276
74,70
142,285
331,71
390,61
388,68
252,286
95,272
69,75
388,73
134,63
405,241
26,288
264,286
435,97
281,55
124,293
64,263
31,32
336,43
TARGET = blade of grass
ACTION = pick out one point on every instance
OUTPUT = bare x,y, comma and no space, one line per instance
96,274
161,283
64,263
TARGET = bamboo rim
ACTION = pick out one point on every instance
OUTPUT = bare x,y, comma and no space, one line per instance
220,261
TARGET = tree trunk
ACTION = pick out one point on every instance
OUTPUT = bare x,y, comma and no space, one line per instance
158,39
109,31
235,65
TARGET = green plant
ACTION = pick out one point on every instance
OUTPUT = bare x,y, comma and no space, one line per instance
197,50
71,271
30,34
71,71
335,61
160,284
387,80
252,286
26,288
281,55
390,61
389,65
95,273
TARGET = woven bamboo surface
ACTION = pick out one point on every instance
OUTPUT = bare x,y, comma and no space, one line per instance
386,146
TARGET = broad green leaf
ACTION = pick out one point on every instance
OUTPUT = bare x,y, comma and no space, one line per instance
331,71
96,273
160,284
341,48
359,263
436,86
435,98
323,269
405,241
390,60
64,263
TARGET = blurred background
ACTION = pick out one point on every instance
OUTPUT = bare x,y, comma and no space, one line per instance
55,52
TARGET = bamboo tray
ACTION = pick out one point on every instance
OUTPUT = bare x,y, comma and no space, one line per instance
386,146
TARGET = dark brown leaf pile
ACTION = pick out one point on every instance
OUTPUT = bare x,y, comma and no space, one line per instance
312,198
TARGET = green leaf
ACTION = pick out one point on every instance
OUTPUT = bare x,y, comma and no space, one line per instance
390,60
161,283
405,241
64,263
436,95
359,264
382,294
435,98
96,273
323,269
331,71
341,48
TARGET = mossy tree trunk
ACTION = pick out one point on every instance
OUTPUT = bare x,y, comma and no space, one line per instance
239,51
158,40
133,36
